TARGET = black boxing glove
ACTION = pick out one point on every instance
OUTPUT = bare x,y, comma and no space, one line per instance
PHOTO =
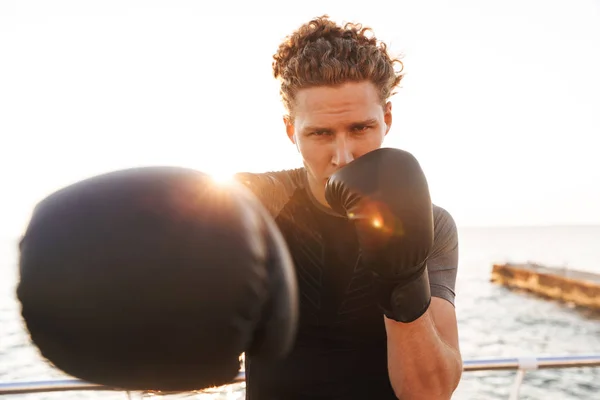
156,279
386,193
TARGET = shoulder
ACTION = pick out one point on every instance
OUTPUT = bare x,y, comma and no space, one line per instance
273,188
282,180
442,263
444,224
445,240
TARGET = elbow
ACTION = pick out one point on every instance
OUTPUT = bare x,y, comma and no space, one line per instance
435,390
438,384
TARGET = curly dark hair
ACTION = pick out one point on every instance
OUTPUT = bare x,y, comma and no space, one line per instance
322,52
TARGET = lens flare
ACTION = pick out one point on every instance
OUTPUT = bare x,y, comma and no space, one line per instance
377,222
222,177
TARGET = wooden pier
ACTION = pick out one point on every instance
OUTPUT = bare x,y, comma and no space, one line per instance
576,287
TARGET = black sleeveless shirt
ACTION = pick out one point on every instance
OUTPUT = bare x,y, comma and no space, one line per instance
340,350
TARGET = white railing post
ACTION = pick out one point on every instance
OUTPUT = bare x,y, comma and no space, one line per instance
524,364
514,393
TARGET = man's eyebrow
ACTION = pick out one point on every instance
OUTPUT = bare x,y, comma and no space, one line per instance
370,121
313,128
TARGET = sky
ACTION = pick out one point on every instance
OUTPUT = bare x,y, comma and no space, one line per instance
500,102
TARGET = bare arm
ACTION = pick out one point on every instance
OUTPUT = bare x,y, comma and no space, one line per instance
424,360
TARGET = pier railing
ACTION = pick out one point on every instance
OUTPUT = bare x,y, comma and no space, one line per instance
521,365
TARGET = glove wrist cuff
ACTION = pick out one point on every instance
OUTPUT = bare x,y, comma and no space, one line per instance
409,301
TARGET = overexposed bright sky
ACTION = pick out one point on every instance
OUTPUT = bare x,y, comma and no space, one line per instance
500,103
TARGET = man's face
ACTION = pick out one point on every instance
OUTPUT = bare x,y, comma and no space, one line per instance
335,125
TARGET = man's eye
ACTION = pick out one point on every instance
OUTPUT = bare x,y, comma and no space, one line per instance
320,133
361,128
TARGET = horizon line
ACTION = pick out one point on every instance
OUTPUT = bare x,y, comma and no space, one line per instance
541,225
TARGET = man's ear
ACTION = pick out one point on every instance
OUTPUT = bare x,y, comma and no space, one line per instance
289,128
387,116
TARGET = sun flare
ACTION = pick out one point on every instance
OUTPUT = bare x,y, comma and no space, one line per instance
222,177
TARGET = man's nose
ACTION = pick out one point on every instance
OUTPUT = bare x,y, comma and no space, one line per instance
342,152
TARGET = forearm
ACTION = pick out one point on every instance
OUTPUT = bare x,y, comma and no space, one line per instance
420,364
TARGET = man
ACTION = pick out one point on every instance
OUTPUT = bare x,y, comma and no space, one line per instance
156,278
335,84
